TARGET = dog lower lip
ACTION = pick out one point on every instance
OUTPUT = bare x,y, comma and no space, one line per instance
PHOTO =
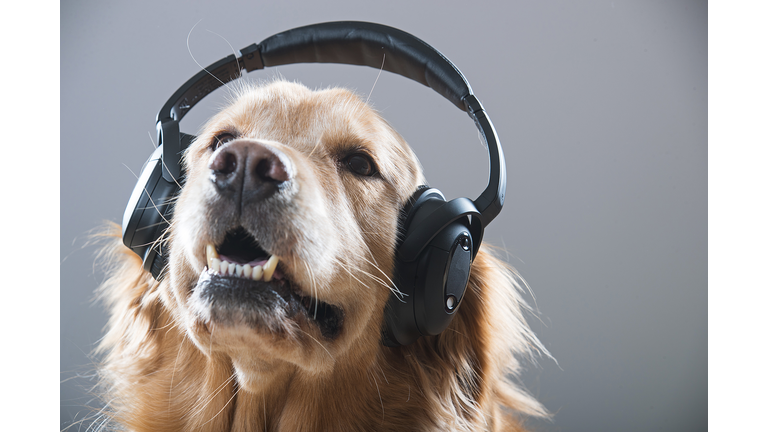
231,299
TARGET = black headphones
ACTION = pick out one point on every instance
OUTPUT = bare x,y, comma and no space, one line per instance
439,238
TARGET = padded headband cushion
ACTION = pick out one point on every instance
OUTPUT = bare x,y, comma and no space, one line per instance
368,44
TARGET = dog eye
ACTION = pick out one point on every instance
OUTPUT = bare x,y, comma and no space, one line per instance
361,164
222,139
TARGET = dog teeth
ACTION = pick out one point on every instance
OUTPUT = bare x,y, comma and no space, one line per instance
210,255
216,264
269,268
258,271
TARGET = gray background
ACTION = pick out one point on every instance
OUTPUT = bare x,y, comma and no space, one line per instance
601,107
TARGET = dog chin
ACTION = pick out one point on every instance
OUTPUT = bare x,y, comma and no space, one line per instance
263,326
273,307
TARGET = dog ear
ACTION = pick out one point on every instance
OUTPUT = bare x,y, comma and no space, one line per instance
486,341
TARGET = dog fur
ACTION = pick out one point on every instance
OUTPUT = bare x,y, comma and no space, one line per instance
176,361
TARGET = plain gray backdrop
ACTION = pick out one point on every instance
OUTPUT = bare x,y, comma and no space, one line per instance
601,107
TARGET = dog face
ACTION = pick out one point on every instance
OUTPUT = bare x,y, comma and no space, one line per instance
283,236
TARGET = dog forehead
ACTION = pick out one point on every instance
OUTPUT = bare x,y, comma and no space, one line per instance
291,113
293,108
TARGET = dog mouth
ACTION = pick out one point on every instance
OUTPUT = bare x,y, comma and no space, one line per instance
241,255
243,283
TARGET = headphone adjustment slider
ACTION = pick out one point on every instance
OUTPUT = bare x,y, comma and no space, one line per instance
472,104
169,137
251,57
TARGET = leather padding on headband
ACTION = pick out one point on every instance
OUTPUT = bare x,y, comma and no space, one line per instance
341,42
368,44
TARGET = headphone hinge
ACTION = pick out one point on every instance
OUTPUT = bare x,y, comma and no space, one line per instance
472,105
169,136
251,57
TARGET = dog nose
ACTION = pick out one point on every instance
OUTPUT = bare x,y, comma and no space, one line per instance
248,169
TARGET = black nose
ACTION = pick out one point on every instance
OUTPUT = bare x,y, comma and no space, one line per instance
248,170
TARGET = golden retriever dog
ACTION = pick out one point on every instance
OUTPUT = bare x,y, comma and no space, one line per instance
281,258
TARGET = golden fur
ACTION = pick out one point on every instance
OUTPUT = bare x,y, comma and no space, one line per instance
170,367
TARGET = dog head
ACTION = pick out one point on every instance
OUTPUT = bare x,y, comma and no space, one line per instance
282,250
283,236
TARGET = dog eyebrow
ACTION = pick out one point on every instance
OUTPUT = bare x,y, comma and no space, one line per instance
356,147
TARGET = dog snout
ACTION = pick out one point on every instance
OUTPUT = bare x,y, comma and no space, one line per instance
248,169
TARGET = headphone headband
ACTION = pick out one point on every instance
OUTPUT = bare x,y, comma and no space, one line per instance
439,238
345,42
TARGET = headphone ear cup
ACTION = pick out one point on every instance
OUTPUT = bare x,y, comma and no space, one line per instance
148,214
399,326
149,211
405,210
430,287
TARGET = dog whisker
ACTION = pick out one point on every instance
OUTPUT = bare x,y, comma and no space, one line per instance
237,61
193,57
150,196
384,57
178,185
312,285
383,374
351,273
353,267
173,372
375,278
318,143
380,399
201,408
237,390
318,342
390,283
152,140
